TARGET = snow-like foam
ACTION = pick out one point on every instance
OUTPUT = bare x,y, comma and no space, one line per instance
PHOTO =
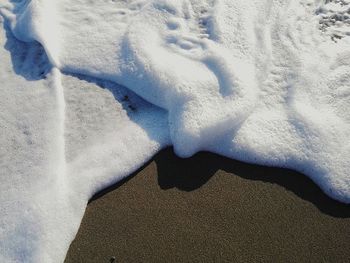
63,139
265,82
207,94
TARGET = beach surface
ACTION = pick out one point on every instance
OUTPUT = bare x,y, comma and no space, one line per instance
212,209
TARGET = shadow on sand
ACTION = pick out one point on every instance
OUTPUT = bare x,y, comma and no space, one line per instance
192,173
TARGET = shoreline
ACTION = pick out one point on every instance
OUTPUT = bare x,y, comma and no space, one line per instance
210,208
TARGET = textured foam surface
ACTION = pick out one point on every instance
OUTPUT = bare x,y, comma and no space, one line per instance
92,89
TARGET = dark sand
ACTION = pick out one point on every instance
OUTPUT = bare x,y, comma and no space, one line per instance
212,209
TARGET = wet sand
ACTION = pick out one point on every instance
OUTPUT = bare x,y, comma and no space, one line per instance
212,209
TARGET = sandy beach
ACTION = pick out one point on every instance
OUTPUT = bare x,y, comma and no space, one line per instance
93,90
209,208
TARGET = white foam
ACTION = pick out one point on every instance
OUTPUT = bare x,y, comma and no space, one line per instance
264,82
63,139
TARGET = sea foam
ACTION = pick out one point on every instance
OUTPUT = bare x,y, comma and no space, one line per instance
264,82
